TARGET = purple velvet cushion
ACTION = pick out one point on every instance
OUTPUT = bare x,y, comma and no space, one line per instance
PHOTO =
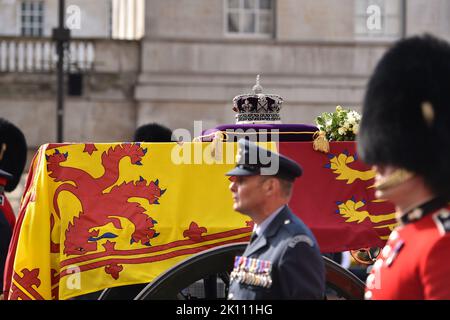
292,132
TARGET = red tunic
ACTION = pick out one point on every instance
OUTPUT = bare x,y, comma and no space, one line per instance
5,206
415,263
6,209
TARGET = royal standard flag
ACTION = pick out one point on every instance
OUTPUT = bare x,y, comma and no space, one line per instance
106,215
96,216
335,197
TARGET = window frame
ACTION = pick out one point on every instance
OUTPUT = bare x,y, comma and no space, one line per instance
30,28
241,11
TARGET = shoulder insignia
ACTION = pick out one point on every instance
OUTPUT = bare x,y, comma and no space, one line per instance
301,238
442,220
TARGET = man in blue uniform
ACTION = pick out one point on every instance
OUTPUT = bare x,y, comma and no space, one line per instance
283,259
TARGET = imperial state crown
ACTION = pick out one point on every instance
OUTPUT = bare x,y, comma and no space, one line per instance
257,107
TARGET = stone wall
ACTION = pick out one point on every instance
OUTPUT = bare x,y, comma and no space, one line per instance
105,112
199,79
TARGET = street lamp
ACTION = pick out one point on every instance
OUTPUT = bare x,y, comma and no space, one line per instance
61,36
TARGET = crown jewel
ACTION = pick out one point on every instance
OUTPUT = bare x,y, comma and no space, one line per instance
257,107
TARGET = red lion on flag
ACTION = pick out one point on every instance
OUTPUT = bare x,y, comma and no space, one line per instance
100,207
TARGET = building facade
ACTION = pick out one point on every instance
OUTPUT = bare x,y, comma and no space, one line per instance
197,55
192,57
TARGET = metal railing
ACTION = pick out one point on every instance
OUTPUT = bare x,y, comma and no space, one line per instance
39,55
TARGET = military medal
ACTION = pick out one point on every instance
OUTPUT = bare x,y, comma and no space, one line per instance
267,271
258,274
241,270
395,251
252,271
235,271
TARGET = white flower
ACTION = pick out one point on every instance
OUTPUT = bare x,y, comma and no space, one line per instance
346,126
355,115
351,119
338,109
355,128
342,131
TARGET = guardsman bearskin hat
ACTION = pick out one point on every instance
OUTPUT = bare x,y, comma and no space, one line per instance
13,152
406,112
152,132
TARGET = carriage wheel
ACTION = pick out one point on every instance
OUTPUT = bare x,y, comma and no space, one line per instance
213,267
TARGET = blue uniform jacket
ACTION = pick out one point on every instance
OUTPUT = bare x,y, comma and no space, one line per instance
297,267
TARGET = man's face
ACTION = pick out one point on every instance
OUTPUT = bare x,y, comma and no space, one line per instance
247,194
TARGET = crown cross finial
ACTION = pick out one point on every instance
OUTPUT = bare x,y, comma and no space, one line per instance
257,87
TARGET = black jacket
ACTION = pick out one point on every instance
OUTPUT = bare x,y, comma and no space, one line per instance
5,238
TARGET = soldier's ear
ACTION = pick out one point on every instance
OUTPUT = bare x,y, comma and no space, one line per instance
270,185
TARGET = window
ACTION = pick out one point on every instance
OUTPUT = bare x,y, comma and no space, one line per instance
378,19
32,18
128,19
249,17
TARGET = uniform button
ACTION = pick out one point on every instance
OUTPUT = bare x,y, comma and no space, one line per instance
287,221
394,235
368,295
389,260
370,279
230,296
386,251
415,214
444,214
378,264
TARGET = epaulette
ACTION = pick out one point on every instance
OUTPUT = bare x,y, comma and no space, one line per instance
442,220
297,235
301,238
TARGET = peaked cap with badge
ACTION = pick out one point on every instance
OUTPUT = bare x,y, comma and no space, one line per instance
251,159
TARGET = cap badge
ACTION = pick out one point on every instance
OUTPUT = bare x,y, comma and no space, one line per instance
240,155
